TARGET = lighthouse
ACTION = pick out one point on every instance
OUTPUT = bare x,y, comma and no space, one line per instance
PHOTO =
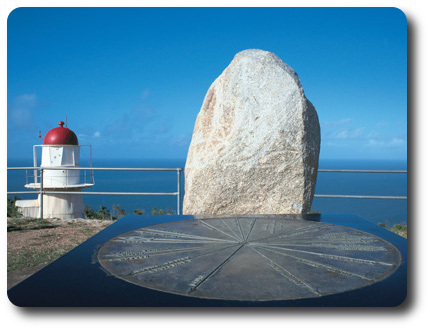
61,184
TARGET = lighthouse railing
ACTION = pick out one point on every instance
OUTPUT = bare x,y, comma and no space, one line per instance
73,162
42,189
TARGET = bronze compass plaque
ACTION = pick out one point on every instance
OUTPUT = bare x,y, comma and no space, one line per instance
249,259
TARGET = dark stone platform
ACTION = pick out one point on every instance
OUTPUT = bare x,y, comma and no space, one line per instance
337,260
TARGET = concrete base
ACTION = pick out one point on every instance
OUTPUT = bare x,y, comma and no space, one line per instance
29,208
60,206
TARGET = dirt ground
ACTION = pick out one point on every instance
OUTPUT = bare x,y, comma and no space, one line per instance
32,245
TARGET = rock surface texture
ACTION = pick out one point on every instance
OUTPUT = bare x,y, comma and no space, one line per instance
256,142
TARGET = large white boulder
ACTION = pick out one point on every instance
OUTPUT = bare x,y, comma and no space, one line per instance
256,142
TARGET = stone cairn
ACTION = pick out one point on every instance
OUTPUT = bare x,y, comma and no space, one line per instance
256,142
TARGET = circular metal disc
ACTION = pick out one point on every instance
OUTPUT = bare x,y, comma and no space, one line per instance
252,259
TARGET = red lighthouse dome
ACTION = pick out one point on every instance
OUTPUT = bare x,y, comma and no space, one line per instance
60,136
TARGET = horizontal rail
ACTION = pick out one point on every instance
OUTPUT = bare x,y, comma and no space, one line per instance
50,192
115,168
360,196
95,168
364,171
180,169
175,193
22,192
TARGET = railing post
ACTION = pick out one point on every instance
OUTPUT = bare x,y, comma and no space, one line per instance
91,165
41,194
179,192
35,163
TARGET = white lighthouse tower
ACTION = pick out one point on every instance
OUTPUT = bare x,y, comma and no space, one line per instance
60,149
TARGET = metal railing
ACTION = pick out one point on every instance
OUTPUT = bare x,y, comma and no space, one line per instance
41,190
362,196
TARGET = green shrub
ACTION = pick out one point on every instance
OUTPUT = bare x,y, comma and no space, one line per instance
117,212
102,214
401,230
89,212
12,210
156,211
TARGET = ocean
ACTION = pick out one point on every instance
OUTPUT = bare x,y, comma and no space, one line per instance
389,212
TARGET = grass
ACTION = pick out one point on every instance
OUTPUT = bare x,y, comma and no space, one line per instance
34,255
401,230
34,241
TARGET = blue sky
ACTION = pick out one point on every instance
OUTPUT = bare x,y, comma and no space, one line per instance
131,81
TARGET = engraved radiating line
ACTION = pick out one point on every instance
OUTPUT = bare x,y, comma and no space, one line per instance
347,235
319,265
115,257
340,246
216,269
320,243
293,278
152,235
295,231
188,258
303,231
240,228
173,240
336,237
252,226
327,256
171,233
335,241
320,240
235,234
212,227
183,235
